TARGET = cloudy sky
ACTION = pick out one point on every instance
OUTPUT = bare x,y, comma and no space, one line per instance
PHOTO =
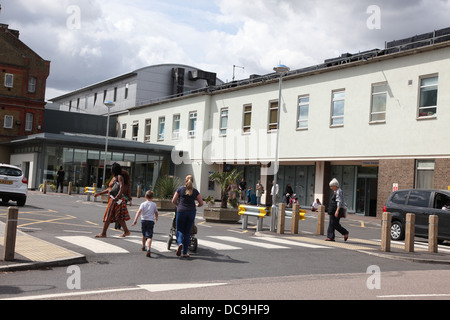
88,41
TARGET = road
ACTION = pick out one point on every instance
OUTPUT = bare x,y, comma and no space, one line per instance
230,264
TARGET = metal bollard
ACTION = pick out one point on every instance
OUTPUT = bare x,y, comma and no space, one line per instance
45,187
10,234
295,218
386,232
281,218
410,232
70,188
321,221
139,192
433,234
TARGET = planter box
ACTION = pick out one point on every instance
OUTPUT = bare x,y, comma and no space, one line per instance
164,205
221,215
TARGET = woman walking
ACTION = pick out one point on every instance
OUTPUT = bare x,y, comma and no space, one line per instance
116,210
336,209
184,198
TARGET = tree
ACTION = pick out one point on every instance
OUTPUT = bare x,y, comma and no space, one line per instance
225,179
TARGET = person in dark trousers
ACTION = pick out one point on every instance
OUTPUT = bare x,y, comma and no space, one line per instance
60,179
336,210
184,198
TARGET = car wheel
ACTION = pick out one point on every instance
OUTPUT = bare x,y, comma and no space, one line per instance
397,231
21,202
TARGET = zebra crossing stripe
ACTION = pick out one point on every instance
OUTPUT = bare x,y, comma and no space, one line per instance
216,245
159,246
293,243
94,245
248,242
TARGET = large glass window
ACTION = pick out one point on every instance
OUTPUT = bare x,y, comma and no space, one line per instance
428,97
223,121
246,128
338,108
192,123
161,128
379,101
273,116
176,127
425,174
303,112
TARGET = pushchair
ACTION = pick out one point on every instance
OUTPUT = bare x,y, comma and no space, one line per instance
173,235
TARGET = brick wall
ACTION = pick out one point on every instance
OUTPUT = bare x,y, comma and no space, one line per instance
442,174
390,172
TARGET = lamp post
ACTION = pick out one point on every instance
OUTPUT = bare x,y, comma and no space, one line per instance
109,105
281,70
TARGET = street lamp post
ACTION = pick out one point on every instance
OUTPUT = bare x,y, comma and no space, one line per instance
281,70
109,105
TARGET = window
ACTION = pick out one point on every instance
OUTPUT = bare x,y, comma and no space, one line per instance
95,99
247,126
400,197
419,198
8,122
338,107
161,128
124,131
425,174
176,126
32,85
105,93
428,97
223,121
441,201
29,122
192,123
135,130
148,130
303,112
273,115
9,80
379,101
126,91
115,94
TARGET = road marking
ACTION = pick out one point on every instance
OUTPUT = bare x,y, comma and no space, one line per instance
173,287
416,296
156,245
93,245
150,288
216,245
293,243
251,243
72,294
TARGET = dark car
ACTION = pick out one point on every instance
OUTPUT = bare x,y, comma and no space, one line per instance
422,203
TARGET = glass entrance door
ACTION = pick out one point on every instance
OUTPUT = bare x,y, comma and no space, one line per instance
366,196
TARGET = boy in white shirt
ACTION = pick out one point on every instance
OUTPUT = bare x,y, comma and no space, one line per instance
149,213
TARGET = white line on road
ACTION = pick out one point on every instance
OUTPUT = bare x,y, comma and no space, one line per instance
293,243
251,243
93,245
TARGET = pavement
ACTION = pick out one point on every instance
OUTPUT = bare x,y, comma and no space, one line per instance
33,253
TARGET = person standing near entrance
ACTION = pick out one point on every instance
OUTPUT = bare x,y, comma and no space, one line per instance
336,210
60,179
184,198
117,207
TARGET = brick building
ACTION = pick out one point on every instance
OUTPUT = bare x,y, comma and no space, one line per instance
23,76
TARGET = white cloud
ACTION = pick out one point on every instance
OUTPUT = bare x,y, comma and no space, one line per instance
116,37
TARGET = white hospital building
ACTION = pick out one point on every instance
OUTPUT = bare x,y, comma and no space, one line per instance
372,120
